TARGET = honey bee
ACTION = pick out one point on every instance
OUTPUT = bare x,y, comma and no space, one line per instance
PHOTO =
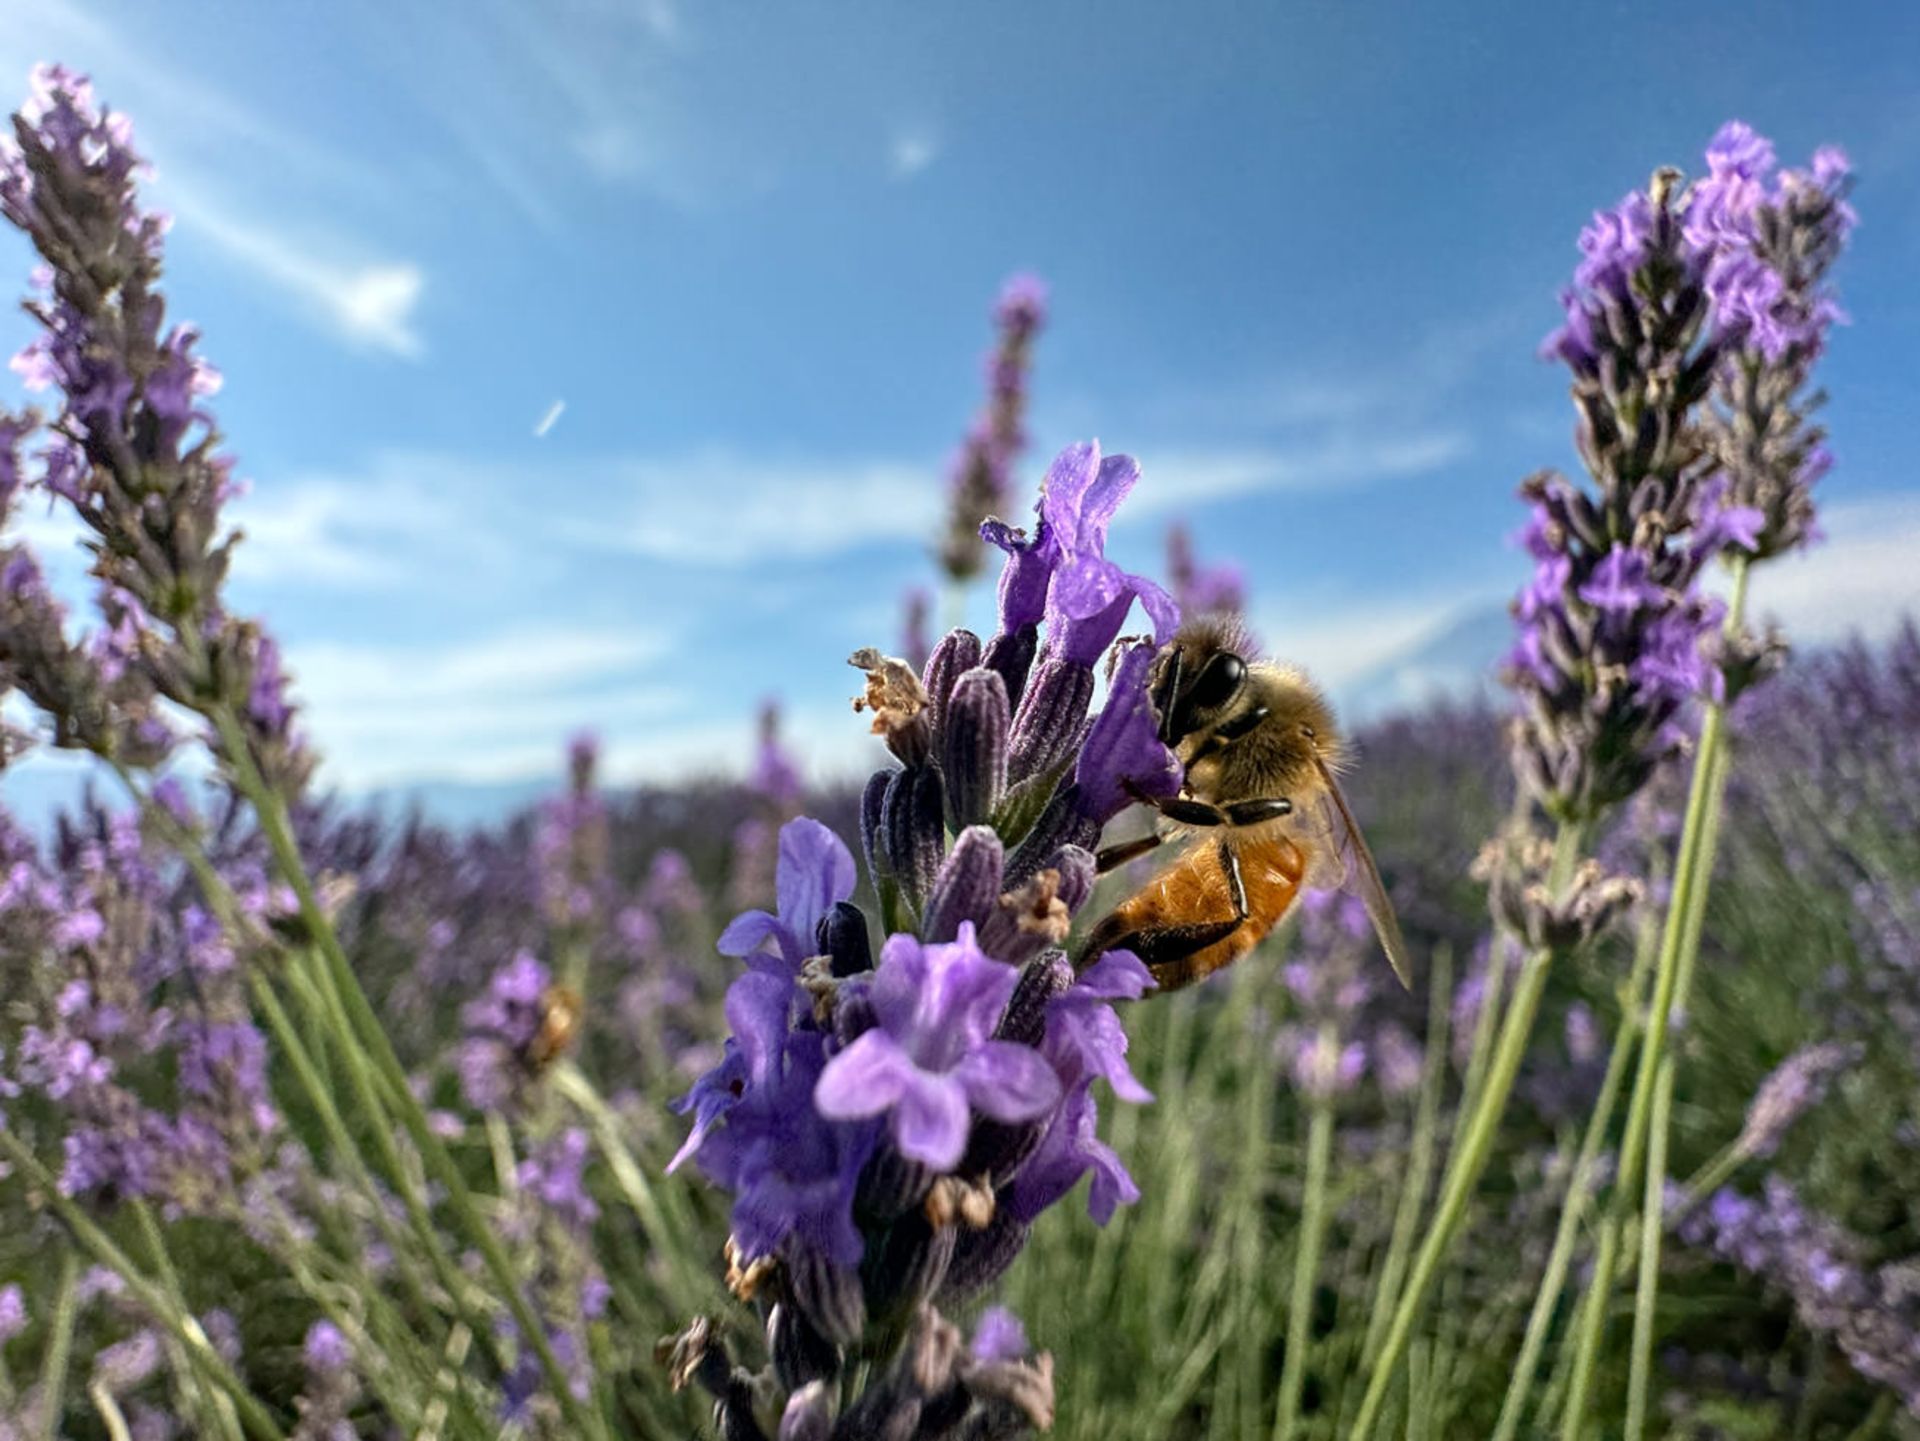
560,1017
1261,750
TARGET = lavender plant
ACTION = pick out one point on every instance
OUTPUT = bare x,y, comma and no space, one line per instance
314,1126
891,1130
980,483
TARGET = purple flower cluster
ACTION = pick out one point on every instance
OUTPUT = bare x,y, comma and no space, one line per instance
497,1060
1612,628
131,443
981,477
570,843
890,1131
130,985
1337,1037
1871,1311
1773,238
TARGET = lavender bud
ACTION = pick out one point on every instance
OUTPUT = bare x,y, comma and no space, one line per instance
1517,873
957,653
872,832
907,1267
967,887
1011,654
1048,724
911,820
853,1015
974,754
800,1353
842,936
890,1185
1043,978
1040,913
1795,1087
1062,824
982,1257
828,1295
809,1414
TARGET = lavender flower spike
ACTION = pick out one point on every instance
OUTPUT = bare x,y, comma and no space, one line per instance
932,1057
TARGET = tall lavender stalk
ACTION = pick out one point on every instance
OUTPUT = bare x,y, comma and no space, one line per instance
1612,630
980,483
135,457
1773,241
891,1127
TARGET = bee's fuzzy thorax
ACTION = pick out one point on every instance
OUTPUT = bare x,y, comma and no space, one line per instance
1299,706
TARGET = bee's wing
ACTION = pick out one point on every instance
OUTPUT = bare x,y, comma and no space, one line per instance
1361,875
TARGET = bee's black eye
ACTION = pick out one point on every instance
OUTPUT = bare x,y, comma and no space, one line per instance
1219,681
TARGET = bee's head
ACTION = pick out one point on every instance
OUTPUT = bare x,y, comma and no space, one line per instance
1199,676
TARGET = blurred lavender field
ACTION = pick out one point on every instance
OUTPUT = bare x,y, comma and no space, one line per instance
776,1106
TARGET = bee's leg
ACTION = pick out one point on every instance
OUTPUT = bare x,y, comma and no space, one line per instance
1253,813
1187,812
1166,695
1157,947
1107,858
1236,886
1241,724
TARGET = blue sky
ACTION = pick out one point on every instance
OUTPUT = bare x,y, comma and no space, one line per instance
1300,256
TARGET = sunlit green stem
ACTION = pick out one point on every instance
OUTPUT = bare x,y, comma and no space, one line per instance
1688,875
377,1047
178,1324
667,1232
313,1085
1472,1146
1306,1257
1876,1420
1579,1185
53,1369
1413,1190
207,1405
1647,1291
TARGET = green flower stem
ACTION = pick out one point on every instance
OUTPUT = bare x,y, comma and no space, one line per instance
314,1086
207,1408
1306,1260
667,1232
1472,1148
1573,1209
1413,1189
377,1048
254,1416
53,1368
1714,762
1875,1423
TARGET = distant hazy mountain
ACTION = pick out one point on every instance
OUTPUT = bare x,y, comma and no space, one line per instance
1456,664
35,792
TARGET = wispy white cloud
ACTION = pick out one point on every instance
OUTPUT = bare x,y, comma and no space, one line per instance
479,710
1863,580
549,418
1181,479
199,131
911,151
731,510
367,303
331,532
